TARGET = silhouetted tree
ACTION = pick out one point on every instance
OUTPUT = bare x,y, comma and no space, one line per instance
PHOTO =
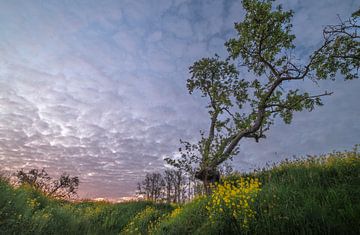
179,185
152,186
171,186
64,187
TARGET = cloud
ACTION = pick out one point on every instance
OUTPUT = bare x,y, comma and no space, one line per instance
98,89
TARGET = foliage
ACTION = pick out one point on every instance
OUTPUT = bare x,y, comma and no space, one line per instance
233,201
343,50
315,195
25,210
64,187
143,222
264,51
188,219
312,195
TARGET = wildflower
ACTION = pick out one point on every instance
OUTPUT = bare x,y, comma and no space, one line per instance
234,199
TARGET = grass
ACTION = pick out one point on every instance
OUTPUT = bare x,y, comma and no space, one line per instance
316,195
27,211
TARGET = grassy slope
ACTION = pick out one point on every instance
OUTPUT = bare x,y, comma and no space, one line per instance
314,196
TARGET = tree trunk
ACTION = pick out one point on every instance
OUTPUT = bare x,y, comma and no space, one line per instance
208,176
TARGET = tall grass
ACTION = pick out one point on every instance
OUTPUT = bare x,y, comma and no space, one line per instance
27,211
315,195
318,195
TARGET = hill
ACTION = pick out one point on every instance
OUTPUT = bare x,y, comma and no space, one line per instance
315,195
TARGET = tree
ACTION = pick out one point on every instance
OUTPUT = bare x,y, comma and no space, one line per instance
187,165
264,50
169,187
152,186
174,186
343,49
64,187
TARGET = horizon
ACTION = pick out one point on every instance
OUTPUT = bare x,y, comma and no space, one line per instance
98,90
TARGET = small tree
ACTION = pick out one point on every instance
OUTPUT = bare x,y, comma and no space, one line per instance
64,187
175,184
169,185
186,163
246,108
152,186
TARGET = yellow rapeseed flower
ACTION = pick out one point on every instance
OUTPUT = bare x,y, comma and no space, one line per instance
234,199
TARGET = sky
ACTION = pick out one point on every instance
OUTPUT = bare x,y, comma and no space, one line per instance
97,89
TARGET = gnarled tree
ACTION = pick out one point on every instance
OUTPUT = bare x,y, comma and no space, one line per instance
246,107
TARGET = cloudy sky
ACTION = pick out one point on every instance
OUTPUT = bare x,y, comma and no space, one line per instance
97,88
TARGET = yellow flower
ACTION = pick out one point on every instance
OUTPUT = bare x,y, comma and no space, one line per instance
234,198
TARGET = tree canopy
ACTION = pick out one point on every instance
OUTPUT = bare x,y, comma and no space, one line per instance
247,106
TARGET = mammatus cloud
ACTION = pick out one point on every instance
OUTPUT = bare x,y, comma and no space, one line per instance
98,89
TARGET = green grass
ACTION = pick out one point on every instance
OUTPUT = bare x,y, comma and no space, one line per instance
316,195
27,211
